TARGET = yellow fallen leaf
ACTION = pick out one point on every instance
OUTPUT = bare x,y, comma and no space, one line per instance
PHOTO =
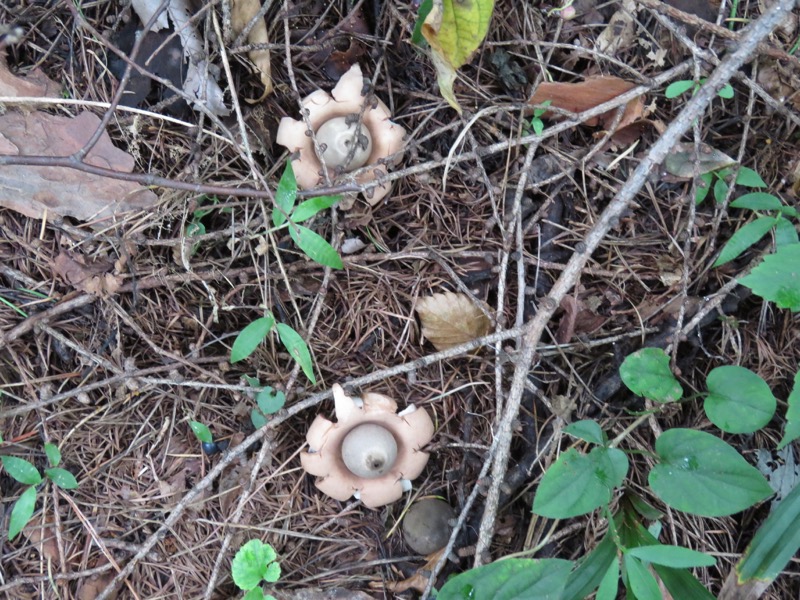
242,12
450,319
454,29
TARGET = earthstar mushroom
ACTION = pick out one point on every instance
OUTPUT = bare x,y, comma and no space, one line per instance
347,141
372,452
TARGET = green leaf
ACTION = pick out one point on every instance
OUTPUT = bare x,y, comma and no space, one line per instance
62,478
790,211
538,126
745,237
22,512
311,207
775,542
610,582
747,177
680,582
777,278
726,91
273,573
53,454
591,569
588,430
454,29
510,579
720,190
250,337
640,580
201,432
297,347
254,594
678,88
739,401
702,187
791,431
257,418
285,195
21,470
757,201
700,474
315,247
577,483
252,565
676,557
785,233
646,373
270,400
422,13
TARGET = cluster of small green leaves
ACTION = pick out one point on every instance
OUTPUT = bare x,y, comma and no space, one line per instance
268,401
27,474
745,177
692,467
289,215
196,227
777,278
286,214
680,87
536,121
254,563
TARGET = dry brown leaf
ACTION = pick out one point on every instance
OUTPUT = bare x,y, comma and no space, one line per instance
418,581
450,319
578,97
684,163
620,32
232,482
94,278
34,191
90,587
43,538
242,12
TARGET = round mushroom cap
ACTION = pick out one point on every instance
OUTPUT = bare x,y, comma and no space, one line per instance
369,450
426,526
347,145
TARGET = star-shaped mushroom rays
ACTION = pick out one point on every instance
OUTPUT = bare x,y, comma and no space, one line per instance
347,142
371,452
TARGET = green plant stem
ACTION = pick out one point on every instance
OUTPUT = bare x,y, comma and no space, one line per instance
639,420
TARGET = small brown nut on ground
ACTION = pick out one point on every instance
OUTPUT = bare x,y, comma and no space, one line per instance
426,526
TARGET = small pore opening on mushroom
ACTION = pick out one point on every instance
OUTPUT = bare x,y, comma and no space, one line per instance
369,451
345,143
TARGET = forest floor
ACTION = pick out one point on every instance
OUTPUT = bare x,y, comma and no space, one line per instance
116,333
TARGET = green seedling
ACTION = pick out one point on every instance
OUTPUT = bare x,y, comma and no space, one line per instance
680,87
288,215
24,472
536,122
255,333
203,434
771,215
255,563
268,401
691,466
196,228
719,182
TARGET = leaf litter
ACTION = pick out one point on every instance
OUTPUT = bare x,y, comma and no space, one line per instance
449,319
364,324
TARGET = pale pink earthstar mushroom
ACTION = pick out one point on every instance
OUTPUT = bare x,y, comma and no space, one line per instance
372,452
345,145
